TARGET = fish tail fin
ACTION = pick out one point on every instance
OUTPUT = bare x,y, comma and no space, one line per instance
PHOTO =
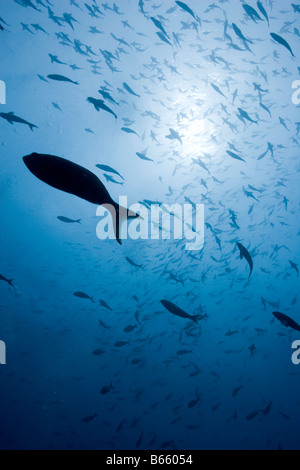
79,221
10,282
196,319
93,300
32,126
122,215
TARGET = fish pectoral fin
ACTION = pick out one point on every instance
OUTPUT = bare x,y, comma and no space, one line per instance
241,256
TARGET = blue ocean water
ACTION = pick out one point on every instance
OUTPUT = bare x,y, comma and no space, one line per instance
212,73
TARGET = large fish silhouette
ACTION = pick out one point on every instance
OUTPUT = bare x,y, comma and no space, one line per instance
74,179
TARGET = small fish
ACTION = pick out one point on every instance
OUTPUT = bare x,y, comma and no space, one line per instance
109,170
159,25
245,254
61,78
251,12
105,390
88,419
282,41
236,391
9,281
127,88
286,321
172,308
66,220
130,328
217,89
104,304
12,118
251,416
82,295
239,33
174,136
98,352
235,156
121,344
99,104
133,263
186,8
142,156
263,11
246,116
163,38
127,130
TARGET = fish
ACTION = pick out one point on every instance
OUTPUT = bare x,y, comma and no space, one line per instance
74,179
245,254
286,321
98,352
142,156
246,116
88,419
127,130
104,304
66,220
295,267
82,295
251,12
100,104
163,38
9,281
263,11
174,136
217,89
107,389
121,344
159,25
239,33
186,8
127,88
61,78
133,263
282,41
12,118
235,156
172,308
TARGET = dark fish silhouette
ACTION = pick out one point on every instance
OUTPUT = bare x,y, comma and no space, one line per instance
74,179
286,321
88,419
82,295
9,281
66,220
99,104
172,308
245,254
109,170
263,11
127,88
283,42
186,8
61,78
133,263
12,118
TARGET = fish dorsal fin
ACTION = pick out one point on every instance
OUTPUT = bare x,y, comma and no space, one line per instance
11,113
